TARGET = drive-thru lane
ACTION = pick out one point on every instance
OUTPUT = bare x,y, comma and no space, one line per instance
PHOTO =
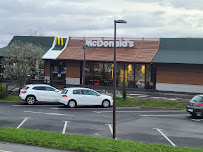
172,127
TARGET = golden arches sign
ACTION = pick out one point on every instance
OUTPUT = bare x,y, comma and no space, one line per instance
59,40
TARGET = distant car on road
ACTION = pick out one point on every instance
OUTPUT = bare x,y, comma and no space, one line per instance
39,92
84,96
195,105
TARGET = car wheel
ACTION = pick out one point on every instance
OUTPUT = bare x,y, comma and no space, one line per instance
193,114
105,103
72,104
30,100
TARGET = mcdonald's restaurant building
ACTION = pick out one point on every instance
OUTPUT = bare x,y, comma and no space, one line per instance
134,58
171,64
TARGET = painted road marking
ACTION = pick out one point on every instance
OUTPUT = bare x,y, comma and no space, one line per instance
55,114
175,115
196,119
64,127
143,96
135,94
159,130
22,122
95,108
134,111
4,151
110,127
35,105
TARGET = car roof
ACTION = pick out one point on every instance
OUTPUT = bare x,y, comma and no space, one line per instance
74,88
32,85
199,95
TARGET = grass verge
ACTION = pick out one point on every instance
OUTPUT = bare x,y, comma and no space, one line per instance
82,143
150,103
11,98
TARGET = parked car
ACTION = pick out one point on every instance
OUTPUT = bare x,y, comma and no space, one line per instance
39,92
140,84
84,96
195,105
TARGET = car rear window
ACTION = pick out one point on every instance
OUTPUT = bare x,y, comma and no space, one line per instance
197,98
25,88
64,91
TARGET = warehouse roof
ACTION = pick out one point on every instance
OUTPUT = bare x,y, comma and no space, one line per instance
180,50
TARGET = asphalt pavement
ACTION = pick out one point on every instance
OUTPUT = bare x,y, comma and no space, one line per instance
12,147
171,127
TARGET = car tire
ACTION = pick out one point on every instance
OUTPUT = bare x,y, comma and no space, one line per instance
72,104
30,100
105,103
193,114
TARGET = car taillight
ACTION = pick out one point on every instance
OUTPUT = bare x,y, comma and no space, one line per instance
199,105
24,91
64,96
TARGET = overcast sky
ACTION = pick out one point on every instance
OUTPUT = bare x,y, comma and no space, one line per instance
146,18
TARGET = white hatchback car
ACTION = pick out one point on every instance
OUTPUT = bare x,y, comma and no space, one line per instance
84,96
39,92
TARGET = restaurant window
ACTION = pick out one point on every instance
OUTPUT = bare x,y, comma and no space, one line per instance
139,75
89,73
119,74
130,74
149,84
108,74
98,73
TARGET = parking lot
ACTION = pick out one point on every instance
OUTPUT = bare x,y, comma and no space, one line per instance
171,127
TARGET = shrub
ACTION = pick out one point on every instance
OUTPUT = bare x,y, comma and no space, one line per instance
3,93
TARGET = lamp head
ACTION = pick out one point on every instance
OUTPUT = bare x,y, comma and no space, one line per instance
120,21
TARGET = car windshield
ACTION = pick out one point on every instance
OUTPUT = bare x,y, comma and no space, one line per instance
197,99
64,91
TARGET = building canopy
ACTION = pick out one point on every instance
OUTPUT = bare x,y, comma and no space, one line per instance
180,50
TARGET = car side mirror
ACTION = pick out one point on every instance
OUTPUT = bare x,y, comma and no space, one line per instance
98,94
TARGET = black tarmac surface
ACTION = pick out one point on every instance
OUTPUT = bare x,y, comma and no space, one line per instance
171,127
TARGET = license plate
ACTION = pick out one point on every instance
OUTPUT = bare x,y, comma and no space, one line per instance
190,110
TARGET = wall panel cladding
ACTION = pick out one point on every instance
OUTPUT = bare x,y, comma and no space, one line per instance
73,69
180,74
47,68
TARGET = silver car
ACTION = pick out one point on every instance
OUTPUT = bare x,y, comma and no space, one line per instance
195,105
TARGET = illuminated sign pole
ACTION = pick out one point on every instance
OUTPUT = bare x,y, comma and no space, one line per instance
114,79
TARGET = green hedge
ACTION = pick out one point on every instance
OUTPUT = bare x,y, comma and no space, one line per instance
3,93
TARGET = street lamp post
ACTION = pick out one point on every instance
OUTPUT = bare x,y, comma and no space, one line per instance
114,79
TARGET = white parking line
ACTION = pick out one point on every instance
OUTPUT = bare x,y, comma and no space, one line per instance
4,151
159,130
175,115
95,108
196,119
22,122
143,96
110,127
135,94
135,111
64,127
56,114
35,105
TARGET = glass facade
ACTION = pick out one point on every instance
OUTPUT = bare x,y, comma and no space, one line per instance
136,75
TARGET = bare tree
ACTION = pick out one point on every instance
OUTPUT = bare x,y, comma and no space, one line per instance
34,31
22,60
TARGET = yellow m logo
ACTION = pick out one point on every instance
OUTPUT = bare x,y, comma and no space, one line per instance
59,40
